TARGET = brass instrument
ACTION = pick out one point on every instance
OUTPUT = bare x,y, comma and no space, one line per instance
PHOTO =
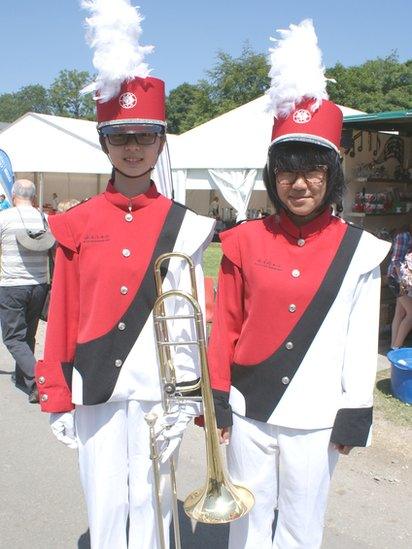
218,501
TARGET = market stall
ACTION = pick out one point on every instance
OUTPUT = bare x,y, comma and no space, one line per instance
378,170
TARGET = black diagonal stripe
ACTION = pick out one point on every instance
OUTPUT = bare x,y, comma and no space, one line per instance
261,384
95,360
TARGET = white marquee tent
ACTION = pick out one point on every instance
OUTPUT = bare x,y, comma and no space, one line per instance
227,153
61,155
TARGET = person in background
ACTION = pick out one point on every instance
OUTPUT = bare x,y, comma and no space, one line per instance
4,203
65,205
55,201
401,245
402,320
23,283
214,208
293,346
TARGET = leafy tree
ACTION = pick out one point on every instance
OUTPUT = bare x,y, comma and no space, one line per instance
65,97
236,81
229,84
376,85
32,98
188,105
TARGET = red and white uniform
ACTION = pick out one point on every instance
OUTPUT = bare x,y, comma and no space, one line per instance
295,329
293,353
100,344
100,354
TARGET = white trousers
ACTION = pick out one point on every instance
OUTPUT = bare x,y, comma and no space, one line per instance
117,477
288,469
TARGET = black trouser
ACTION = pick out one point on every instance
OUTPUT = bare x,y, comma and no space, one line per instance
20,308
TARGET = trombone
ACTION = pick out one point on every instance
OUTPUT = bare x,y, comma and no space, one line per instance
219,500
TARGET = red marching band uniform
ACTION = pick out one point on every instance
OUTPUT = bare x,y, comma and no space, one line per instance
293,348
103,286
100,353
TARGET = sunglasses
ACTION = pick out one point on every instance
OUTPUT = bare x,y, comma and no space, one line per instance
119,139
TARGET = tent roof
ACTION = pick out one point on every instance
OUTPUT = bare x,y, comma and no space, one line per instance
44,143
55,144
236,139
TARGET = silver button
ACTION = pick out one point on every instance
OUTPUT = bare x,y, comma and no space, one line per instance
118,362
126,252
289,345
121,326
295,273
301,242
41,380
128,217
124,290
285,380
292,308
44,398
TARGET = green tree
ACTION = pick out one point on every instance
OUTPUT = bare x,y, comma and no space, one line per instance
229,84
188,105
376,85
236,81
32,98
65,97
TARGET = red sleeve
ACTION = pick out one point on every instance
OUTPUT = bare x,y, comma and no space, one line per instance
53,373
227,325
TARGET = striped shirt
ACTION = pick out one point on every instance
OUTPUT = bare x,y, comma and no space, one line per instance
19,266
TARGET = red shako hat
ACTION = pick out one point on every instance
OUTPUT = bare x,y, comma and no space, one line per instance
298,94
139,101
322,126
126,95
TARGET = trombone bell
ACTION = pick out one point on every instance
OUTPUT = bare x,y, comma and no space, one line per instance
218,503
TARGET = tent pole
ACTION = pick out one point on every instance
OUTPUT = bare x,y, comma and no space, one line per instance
41,191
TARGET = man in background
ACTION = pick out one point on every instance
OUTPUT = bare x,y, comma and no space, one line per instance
23,281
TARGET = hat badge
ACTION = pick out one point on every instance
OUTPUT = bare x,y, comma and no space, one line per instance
127,100
302,116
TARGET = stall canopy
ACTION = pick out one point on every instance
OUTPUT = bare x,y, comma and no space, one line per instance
228,153
400,121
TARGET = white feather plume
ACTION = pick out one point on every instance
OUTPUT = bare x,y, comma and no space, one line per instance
297,72
113,31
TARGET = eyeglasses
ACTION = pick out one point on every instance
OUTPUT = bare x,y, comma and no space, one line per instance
314,176
119,139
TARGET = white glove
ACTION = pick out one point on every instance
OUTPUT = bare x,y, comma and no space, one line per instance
62,426
172,427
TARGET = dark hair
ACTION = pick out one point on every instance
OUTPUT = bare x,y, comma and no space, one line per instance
295,156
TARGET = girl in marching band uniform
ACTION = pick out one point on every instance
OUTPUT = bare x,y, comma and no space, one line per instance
293,347
100,356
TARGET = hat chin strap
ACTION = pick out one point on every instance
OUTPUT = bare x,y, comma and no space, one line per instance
133,176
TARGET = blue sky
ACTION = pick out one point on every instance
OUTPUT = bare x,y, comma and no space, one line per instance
38,38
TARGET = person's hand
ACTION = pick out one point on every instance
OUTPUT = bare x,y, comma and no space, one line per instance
343,449
224,435
172,426
62,426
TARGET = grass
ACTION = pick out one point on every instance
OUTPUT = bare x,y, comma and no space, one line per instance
392,409
211,260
